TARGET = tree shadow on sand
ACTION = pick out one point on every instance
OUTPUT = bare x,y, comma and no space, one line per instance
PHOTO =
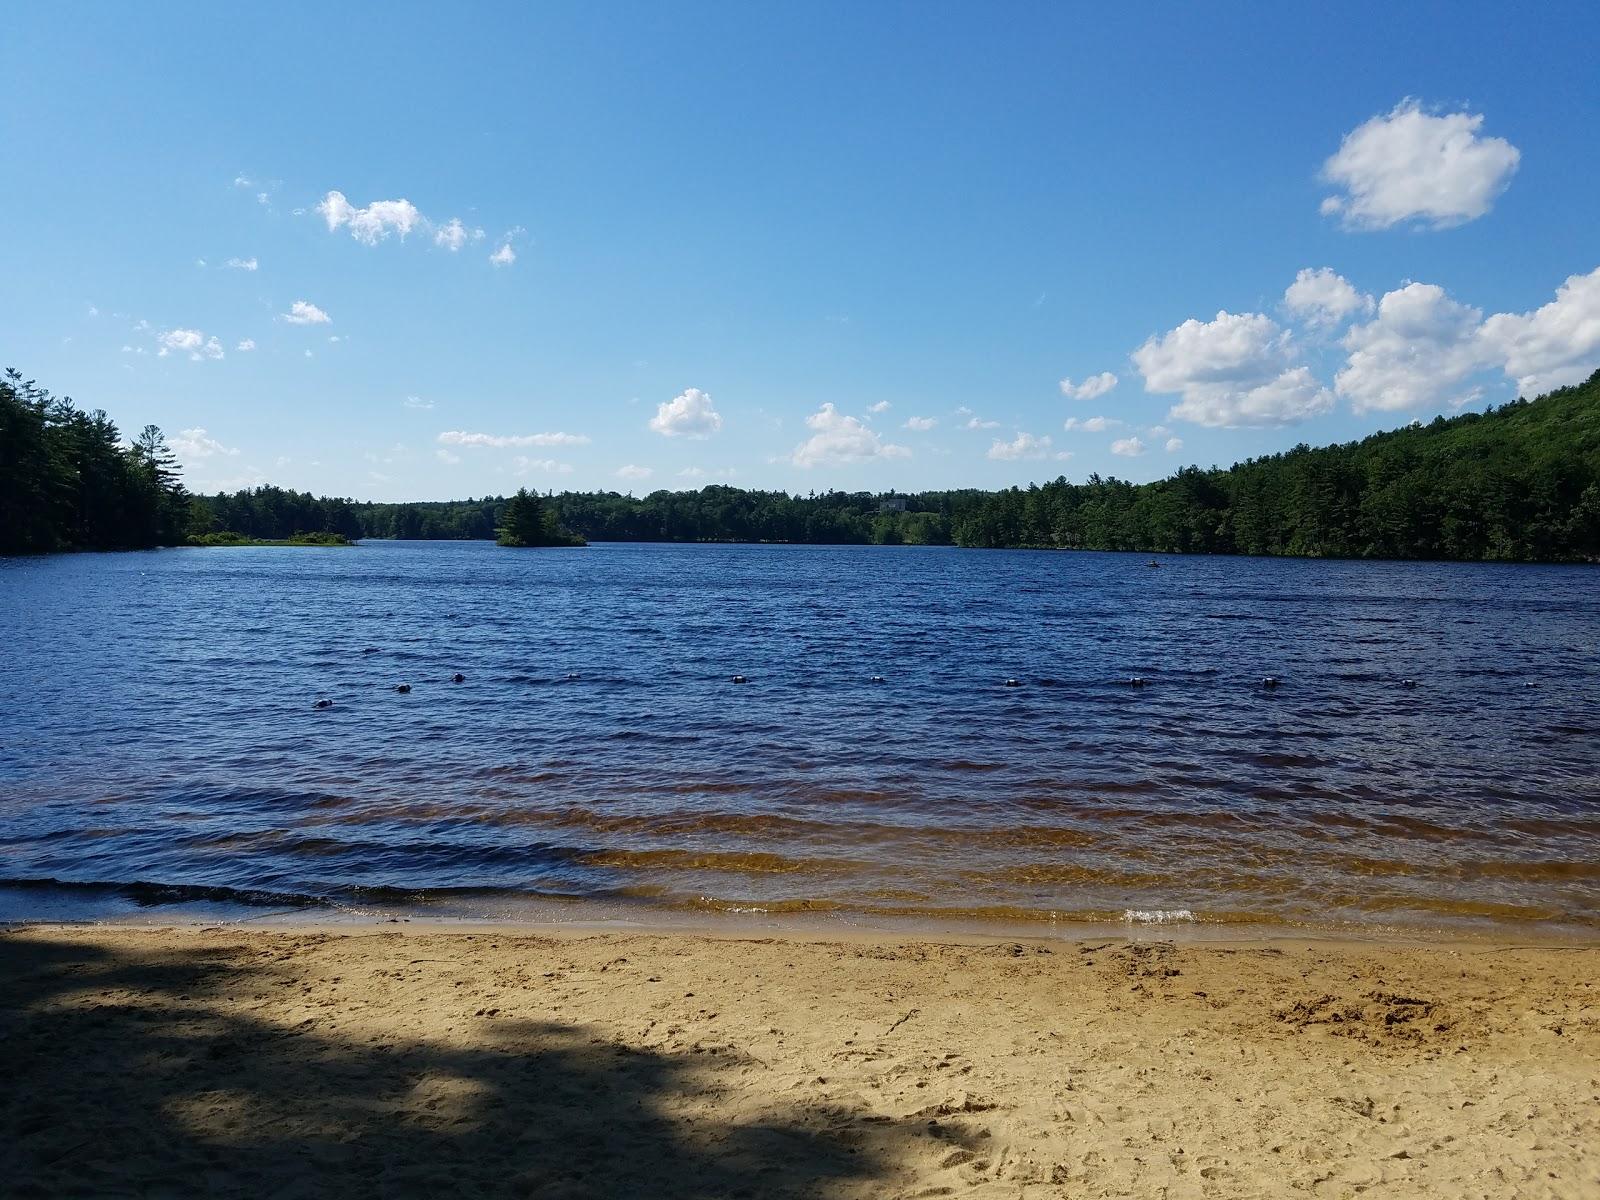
141,1072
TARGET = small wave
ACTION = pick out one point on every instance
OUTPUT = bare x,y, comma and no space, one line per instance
1158,916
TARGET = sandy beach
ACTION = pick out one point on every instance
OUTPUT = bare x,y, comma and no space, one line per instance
232,1061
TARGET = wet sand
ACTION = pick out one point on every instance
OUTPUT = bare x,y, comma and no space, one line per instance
230,1061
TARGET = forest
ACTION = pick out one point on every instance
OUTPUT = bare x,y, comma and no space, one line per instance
68,481
1518,482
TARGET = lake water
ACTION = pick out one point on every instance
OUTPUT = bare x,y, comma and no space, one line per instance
158,740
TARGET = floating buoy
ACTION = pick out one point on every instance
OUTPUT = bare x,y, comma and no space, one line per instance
738,679
323,703
877,679
402,687
1136,681
1408,683
572,674
1012,683
1271,681
1530,683
458,677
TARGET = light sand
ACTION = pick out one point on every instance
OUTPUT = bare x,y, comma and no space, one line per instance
232,1061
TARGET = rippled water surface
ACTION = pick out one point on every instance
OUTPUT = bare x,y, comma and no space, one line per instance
157,729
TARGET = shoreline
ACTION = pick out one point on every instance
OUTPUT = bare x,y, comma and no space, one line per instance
412,1060
33,906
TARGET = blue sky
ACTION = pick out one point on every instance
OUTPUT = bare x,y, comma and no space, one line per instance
854,246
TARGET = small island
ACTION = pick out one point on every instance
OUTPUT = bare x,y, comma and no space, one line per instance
529,522
228,537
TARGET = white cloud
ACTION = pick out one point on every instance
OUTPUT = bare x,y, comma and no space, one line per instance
1323,299
93,311
303,312
504,256
880,406
920,424
417,402
1416,353
242,264
633,471
1024,445
1414,166
840,439
1174,445
446,457
197,443
527,465
375,222
692,473
975,423
1089,424
688,414
1234,370
1552,346
456,437
453,235
246,344
1129,447
191,341
1090,388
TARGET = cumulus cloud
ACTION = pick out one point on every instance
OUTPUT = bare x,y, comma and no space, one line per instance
1090,388
1089,424
246,344
688,414
920,424
837,438
1174,445
197,443
242,264
504,256
880,406
453,235
372,224
1024,445
1553,346
303,312
1417,352
1322,298
457,437
1410,165
1232,371
1128,447
633,471
417,402
976,423
190,341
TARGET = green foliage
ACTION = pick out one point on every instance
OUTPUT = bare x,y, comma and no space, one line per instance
68,483
230,538
529,521
1521,482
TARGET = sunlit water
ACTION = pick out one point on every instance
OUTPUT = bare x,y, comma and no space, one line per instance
159,738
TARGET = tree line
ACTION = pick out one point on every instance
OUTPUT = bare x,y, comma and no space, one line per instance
68,480
1518,482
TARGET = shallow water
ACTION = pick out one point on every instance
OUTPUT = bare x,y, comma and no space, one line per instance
158,739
